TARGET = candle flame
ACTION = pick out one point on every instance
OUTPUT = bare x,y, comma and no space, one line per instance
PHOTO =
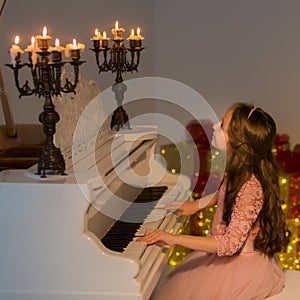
74,43
44,31
104,34
56,42
32,40
117,25
96,32
17,40
138,31
132,32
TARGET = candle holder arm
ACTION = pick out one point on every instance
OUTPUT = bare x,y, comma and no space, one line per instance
105,65
70,87
25,89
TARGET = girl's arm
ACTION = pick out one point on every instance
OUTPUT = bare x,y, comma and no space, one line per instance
205,244
187,208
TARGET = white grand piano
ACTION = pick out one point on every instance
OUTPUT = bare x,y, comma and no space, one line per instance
73,237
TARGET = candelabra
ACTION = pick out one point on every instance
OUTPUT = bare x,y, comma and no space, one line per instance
115,59
46,78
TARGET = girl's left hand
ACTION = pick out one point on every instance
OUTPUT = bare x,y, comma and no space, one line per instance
157,235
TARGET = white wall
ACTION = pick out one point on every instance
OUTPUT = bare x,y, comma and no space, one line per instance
228,51
233,51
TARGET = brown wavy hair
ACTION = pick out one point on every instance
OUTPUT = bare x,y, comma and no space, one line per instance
251,133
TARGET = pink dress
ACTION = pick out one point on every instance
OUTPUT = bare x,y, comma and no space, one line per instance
237,271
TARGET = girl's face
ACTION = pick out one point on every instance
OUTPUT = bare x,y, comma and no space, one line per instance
220,136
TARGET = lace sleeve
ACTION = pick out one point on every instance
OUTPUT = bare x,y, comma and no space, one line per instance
248,205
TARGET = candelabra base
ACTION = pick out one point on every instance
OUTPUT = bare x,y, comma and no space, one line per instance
52,160
119,119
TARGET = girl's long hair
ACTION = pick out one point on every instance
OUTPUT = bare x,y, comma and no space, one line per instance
251,133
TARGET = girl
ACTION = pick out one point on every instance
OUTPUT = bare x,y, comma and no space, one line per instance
237,260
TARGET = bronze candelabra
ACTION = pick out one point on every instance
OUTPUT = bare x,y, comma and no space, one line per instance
115,59
46,78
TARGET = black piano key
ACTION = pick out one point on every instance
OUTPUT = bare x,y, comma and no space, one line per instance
122,233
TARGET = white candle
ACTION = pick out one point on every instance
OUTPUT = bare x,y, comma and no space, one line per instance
33,48
97,35
132,36
57,46
117,32
138,32
74,46
15,50
44,35
43,39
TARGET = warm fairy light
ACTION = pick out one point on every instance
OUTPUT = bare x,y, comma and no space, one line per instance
163,151
17,40
173,171
283,180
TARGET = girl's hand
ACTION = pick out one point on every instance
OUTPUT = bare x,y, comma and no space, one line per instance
185,208
154,236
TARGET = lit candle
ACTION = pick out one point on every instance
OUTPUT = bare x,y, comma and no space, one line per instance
15,51
139,37
132,39
75,49
117,32
31,46
57,46
56,51
97,37
132,33
75,54
32,50
43,39
105,40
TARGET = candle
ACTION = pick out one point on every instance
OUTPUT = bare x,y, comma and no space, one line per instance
105,40
57,46
15,51
139,37
97,37
75,49
138,32
56,51
32,50
135,40
131,33
31,46
132,39
117,32
43,39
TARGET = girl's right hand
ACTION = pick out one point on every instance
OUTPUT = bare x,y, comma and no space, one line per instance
184,208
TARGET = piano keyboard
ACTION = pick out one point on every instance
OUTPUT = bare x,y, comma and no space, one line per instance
123,232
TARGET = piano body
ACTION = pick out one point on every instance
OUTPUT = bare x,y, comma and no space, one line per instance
70,237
